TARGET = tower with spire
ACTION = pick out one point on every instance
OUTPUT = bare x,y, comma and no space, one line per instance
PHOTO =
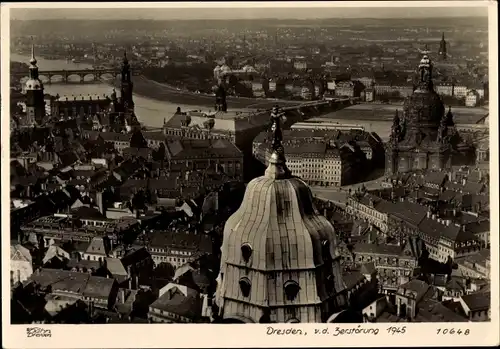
279,257
35,103
442,48
126,86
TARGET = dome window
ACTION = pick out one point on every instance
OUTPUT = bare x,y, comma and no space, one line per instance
325,249
330,283
292,288
245,286
246,251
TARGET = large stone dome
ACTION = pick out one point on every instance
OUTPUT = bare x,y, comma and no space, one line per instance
424,107
279,257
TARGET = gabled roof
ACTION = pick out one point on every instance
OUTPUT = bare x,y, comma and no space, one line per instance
135,256
417,286
180,300
97,247
20,253
55,251
368,268
116,268
477,301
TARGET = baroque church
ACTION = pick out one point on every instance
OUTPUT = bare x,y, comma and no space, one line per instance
424,137
279,258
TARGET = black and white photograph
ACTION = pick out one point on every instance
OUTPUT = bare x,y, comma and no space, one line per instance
240,163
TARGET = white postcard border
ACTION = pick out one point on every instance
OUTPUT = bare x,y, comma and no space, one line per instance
199,335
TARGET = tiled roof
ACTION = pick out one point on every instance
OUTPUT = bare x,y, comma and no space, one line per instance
368,268
55,251
115,137
417,286
97,247
473,187
433,311
181,239
180,300
477,301
68,281
409,212
202,148
393,250
351,279
20,253
98,287
435,177
84,263
135,257
85,212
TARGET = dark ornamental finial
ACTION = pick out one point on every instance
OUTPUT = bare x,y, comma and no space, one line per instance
277,135
425,71
277,162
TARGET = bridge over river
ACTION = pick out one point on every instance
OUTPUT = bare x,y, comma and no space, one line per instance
97,74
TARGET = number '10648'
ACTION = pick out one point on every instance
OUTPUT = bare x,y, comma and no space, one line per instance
453,331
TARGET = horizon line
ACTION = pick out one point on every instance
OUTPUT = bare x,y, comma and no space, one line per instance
240,19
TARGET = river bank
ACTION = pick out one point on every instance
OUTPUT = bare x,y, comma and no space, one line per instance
162,92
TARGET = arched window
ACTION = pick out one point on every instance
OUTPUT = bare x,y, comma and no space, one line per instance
245,286
325,249
246,251
291,289
330,283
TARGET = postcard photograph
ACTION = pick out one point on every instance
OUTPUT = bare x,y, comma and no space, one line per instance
283,165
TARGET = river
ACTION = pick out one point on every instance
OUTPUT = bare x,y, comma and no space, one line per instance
150,112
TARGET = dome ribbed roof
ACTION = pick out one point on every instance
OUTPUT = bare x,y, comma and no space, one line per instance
279,219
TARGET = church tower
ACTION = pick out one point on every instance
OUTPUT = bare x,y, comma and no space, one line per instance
126,86
442,48
35,103
279,257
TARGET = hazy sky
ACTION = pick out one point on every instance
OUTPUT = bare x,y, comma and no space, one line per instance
242,13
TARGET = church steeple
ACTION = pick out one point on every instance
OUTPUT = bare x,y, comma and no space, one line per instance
126,85
442,48
33,67
35,104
